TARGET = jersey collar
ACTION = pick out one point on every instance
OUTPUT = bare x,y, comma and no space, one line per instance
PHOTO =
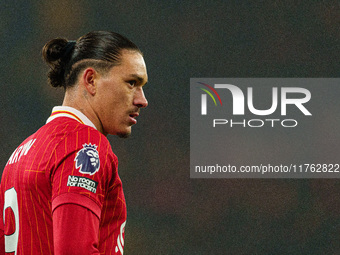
70,112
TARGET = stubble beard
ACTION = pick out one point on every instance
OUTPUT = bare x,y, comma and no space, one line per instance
124,135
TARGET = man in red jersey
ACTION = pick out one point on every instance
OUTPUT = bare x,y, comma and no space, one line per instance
60,191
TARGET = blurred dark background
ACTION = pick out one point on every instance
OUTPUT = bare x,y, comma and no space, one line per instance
169,213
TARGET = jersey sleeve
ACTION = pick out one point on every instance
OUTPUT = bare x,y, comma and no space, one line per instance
71,235
84,168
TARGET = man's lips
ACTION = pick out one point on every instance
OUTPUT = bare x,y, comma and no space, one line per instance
133,117
134,114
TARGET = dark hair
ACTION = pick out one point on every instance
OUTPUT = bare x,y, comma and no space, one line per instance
100,49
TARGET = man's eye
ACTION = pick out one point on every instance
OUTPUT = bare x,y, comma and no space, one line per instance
132,83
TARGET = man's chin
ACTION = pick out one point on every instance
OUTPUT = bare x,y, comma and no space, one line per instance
124,134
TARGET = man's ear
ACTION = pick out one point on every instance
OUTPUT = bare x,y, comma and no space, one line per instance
89,77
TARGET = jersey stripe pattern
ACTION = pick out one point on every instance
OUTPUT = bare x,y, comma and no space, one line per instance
65,161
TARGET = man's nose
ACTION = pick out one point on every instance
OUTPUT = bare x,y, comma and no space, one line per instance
140,99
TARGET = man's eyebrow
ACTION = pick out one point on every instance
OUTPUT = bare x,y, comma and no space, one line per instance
139,78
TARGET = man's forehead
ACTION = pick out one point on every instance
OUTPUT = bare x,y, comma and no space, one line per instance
133,66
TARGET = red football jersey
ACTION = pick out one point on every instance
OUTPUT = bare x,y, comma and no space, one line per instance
67,161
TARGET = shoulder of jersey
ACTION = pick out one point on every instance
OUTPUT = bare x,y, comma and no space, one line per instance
93,151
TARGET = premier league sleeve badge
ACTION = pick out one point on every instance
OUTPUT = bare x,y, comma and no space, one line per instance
87,159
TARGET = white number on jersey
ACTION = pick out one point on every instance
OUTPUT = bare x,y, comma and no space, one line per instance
11,201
